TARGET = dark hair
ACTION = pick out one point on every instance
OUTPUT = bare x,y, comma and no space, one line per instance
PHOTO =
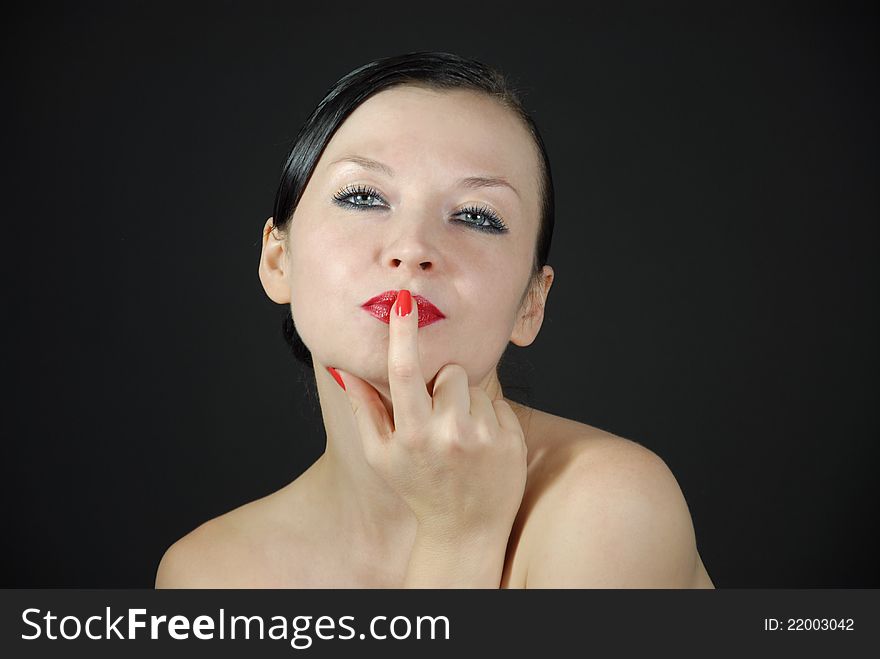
434,70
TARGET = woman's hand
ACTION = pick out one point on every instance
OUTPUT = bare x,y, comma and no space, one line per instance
457,459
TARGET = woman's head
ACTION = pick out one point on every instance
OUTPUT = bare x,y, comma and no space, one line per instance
420,171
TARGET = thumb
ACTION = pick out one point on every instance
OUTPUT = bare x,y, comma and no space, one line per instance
369,411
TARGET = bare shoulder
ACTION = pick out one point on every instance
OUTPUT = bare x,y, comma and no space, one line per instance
224,552
192,561
605,512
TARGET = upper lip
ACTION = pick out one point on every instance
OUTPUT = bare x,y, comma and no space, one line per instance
388,297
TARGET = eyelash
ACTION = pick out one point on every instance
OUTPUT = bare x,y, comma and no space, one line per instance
496,224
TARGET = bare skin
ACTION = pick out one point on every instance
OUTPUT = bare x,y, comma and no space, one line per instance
597,510
263,545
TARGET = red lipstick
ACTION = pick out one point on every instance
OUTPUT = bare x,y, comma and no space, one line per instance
380,307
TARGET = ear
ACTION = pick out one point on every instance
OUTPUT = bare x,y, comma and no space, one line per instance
273,261
531,315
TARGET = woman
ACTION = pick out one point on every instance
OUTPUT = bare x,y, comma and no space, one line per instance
409,241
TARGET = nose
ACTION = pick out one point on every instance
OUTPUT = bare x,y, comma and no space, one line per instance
410,263
411,251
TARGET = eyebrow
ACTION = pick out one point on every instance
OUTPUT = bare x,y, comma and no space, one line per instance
472,182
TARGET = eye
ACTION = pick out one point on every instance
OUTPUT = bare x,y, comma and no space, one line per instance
363,197
485,219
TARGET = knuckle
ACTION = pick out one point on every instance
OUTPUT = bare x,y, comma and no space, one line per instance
451,371
456,446
483,433
453,434
452,368
373,455
450,431
401,369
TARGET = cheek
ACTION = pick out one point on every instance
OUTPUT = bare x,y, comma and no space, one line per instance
323,256
322,269
496,283
489,304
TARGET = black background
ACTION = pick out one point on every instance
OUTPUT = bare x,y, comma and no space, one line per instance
715,256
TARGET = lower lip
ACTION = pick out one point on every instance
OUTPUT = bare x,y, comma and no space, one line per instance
383,311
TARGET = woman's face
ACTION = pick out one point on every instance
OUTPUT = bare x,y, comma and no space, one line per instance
409,231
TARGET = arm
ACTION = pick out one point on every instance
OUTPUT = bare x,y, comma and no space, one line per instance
443,560
456,456
617,522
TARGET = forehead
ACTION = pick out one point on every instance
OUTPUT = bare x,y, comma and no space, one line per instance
443,131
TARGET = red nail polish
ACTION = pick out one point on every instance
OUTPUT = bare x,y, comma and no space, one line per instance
336,377
404,302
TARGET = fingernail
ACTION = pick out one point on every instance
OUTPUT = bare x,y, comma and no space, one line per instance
336,376
404,302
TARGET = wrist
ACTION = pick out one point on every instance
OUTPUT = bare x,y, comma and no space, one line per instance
453,536
442,558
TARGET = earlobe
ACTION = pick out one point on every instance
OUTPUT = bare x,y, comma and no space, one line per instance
272,263
527,326
531,318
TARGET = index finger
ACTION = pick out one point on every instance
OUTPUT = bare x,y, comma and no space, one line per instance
410,399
